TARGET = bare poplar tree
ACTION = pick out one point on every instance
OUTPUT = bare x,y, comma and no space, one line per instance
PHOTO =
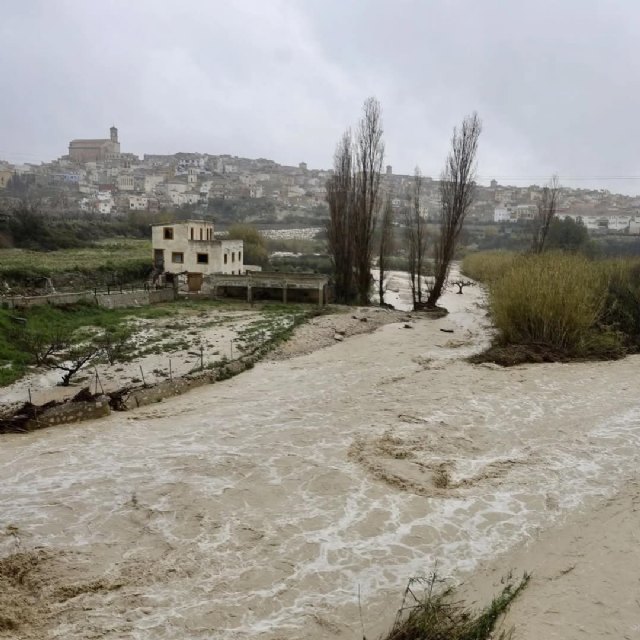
369,155
547,208
457,190
416,232
386,245
340,197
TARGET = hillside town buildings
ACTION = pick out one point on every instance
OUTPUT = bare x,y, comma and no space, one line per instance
97,176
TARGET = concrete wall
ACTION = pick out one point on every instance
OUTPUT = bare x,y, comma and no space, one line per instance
233,250
169,388
135,298
71,412
115,300
287,287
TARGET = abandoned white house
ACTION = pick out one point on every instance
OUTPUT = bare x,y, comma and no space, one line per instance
216,267
190,247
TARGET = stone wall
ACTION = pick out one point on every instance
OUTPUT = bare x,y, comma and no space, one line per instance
71,412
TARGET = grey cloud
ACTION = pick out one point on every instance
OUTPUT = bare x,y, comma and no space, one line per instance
556,84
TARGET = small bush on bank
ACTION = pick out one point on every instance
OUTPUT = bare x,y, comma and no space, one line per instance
437,616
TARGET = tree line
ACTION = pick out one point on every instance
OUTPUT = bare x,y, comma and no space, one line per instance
360,205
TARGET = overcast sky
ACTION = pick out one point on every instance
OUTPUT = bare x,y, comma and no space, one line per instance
556,83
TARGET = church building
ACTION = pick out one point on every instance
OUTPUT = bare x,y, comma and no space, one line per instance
95,150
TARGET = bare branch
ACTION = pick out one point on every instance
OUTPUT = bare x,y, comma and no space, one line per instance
460,283
76,359
547,208
457,190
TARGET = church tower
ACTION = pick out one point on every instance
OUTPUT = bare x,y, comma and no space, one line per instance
114,134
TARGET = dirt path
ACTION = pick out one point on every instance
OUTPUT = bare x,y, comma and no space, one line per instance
260,506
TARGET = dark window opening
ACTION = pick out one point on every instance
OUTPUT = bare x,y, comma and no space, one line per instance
203,258
168,233
177,257
225,258
233,256
192,233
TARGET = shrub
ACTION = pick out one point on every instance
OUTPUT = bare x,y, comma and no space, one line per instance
555,299
437,615
622,306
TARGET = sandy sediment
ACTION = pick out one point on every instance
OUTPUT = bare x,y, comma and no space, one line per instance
586,575
336,325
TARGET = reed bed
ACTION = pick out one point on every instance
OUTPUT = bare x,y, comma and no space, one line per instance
571,304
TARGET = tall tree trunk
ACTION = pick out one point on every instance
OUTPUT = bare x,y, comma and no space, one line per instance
340,198
457,190
369,157
416,235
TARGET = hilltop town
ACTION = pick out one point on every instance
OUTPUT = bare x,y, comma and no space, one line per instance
98,176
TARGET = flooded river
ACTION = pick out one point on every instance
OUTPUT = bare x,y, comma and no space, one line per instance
268,505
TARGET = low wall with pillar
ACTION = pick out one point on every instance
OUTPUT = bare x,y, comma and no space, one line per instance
264,285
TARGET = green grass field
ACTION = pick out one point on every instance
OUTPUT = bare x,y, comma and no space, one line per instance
124,255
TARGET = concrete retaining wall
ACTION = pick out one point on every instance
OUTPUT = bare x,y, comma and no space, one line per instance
71,412
114,300
169,388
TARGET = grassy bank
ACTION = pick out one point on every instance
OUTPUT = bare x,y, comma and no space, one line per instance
122,260
557,306
17,350
49,321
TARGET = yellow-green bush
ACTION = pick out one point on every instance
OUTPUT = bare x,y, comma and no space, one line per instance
554,299
487,266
